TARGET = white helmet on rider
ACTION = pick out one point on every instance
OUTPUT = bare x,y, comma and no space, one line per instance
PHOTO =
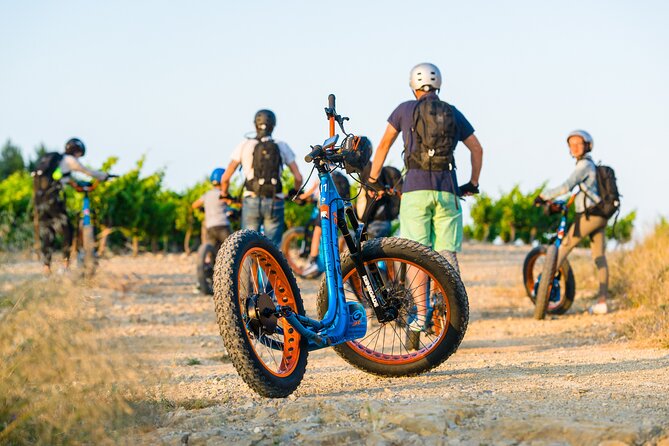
425,76
587,139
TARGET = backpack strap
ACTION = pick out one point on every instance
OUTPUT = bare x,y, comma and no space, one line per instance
585,192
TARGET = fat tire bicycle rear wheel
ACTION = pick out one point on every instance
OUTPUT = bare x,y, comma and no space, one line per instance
567,281
546,282
205,268
391,355
292,243
270,359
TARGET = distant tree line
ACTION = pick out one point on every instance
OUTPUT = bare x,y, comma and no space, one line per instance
136,212
513,216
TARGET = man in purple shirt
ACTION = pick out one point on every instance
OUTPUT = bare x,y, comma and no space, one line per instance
429,210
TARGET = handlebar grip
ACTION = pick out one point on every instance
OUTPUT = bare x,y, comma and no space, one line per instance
310,157
331,101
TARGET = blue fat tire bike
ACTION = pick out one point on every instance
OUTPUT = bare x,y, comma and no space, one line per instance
85,226
367,301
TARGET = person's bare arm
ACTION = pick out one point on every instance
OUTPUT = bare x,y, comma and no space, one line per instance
197,203
381,153
476,150
309,192
296,174
225,179
76,166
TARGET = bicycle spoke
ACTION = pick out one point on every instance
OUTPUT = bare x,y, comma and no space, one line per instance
259,273
378,335
414,290
396,336
378,331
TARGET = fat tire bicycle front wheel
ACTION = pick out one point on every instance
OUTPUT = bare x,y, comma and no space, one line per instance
385,349
546,282
252,276
567,281
88,242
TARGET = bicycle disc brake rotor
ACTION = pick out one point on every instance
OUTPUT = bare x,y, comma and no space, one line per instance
400,299
261,309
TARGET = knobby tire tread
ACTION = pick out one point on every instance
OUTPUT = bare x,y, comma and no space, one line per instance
88,242
567,271
231,325
418,253
547,276
285,244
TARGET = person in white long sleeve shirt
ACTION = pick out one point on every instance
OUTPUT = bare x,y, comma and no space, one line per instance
50,202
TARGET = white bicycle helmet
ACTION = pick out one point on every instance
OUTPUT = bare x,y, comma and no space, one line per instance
587,139
425,76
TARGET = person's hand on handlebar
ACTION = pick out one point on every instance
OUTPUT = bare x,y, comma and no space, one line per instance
109,176
303,198
469,189
226,198
538,201
374,188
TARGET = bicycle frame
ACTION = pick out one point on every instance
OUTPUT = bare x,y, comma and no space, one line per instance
85,187
86,209
563,220
343,321
335,327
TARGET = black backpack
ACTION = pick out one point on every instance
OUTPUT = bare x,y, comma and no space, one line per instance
434,134
608,192
266,181
43,174
387,208
391,177
342,185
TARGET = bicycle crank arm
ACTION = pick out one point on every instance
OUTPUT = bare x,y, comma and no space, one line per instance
315,341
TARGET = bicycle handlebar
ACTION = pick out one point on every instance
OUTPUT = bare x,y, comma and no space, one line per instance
88,186
313,154
558,206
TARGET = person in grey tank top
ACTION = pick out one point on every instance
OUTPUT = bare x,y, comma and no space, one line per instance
216,221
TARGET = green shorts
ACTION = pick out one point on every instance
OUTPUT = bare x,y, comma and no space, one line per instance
431,217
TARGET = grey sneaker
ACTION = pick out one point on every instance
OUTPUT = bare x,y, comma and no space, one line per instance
311,270
415,326
599,308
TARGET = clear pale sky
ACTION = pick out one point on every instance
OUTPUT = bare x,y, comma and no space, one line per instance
181,81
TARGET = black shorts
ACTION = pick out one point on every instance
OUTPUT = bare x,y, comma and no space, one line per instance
217,234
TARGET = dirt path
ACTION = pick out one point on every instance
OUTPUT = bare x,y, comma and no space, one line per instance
575,379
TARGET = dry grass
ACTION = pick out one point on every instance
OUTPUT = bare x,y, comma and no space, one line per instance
60,381
641,277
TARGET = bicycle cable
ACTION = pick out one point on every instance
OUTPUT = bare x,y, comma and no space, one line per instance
304,183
